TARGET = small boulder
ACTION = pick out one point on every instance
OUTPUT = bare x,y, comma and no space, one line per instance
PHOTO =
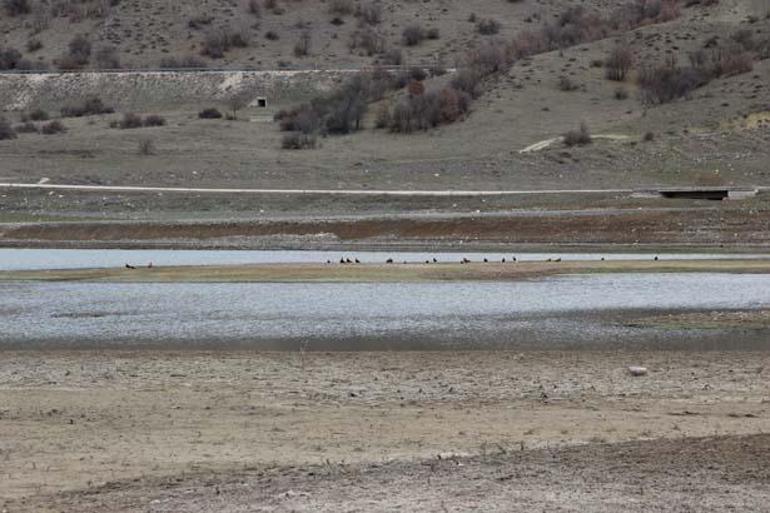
635,370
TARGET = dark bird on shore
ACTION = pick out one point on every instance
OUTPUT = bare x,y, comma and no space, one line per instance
427,261
358,261
549,260
342,260
328,261
503,259
434,260
129,266
486,261
514,259
465,261
389,261
348,261
558,260
602,259
656,258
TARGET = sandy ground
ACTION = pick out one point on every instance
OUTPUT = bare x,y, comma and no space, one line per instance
438,431
394,272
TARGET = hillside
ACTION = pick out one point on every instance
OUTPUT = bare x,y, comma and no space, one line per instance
715,131
342,33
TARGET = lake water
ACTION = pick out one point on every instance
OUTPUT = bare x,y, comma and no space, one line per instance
36,259
557,311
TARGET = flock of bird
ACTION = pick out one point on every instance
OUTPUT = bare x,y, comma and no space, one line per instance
434,260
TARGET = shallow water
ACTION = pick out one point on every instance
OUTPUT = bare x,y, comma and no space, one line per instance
36,259
560,310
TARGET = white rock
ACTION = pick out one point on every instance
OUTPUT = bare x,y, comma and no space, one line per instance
635,370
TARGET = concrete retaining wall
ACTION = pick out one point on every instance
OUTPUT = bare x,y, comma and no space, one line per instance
147,90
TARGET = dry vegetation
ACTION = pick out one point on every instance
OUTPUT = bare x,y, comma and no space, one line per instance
659,72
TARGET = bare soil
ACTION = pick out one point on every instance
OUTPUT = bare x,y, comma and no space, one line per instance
707,224
234,431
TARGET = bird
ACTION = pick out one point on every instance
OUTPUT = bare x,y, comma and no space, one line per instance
558,260
129,266
348,261
513,259
358,261
656,258
486,261
389,261
342,260
434,260
503,259
427,261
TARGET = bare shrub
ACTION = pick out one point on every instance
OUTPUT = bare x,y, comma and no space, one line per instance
298,141
428,110
9,58
578,25
732,61
220,41
38,115
210,113
79,50
490,58
369,40
254,8
488,27
200,21
27,128
663,84
16,7
370,12
383,118
130,121
154,120
579,137
53,127
106,57
413,35
393,57
303,44
236,102
33,45
146,146
91,106
302,119
186,62
566,84
618,63
341,7
6,130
